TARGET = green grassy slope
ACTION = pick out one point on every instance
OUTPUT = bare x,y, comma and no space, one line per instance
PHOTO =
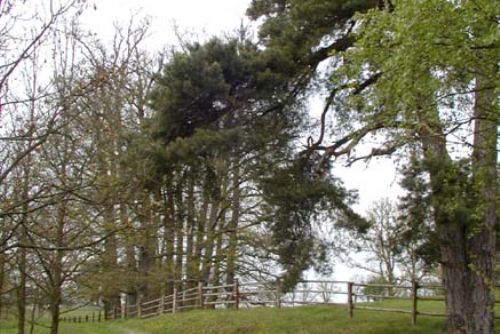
301,320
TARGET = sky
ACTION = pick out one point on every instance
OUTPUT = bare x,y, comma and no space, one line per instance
200,16
203,18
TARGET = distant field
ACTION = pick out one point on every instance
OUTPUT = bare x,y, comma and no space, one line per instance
299,320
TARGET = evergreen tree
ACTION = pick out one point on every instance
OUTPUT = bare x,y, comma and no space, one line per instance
213,111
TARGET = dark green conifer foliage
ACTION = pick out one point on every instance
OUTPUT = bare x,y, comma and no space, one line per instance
295,197
214,102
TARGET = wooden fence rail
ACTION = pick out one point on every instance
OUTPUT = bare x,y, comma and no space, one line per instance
346,294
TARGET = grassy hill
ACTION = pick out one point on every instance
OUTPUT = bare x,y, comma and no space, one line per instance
300,320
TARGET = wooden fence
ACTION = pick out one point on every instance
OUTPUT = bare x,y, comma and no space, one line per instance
350,295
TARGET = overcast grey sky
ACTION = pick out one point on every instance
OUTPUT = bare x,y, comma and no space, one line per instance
201,16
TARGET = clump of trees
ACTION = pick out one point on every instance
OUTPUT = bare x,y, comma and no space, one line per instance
127,174
152,171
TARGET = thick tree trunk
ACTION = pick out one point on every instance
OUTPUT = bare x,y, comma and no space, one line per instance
466,221
455,274
447,189
482,238
54,313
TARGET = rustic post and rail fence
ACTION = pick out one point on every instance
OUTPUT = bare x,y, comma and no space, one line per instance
350,295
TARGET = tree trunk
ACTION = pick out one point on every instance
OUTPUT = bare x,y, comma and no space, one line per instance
147,244
467,243
200,239
56,270
129,257
219,256
210,241
233,224
169,232
190,221
56,295
21,291
219,226
447,188
455,274
179,237
2,281
482,238
109,263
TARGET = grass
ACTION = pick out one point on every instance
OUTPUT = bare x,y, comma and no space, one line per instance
303,320
299,320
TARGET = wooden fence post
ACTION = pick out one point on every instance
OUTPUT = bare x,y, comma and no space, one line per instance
200,295
125,308
350,306
414,298
99,316
174,301
278,293
93,316
139,306
236,294
86,318
162,303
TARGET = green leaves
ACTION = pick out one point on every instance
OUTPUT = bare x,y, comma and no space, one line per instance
423,48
